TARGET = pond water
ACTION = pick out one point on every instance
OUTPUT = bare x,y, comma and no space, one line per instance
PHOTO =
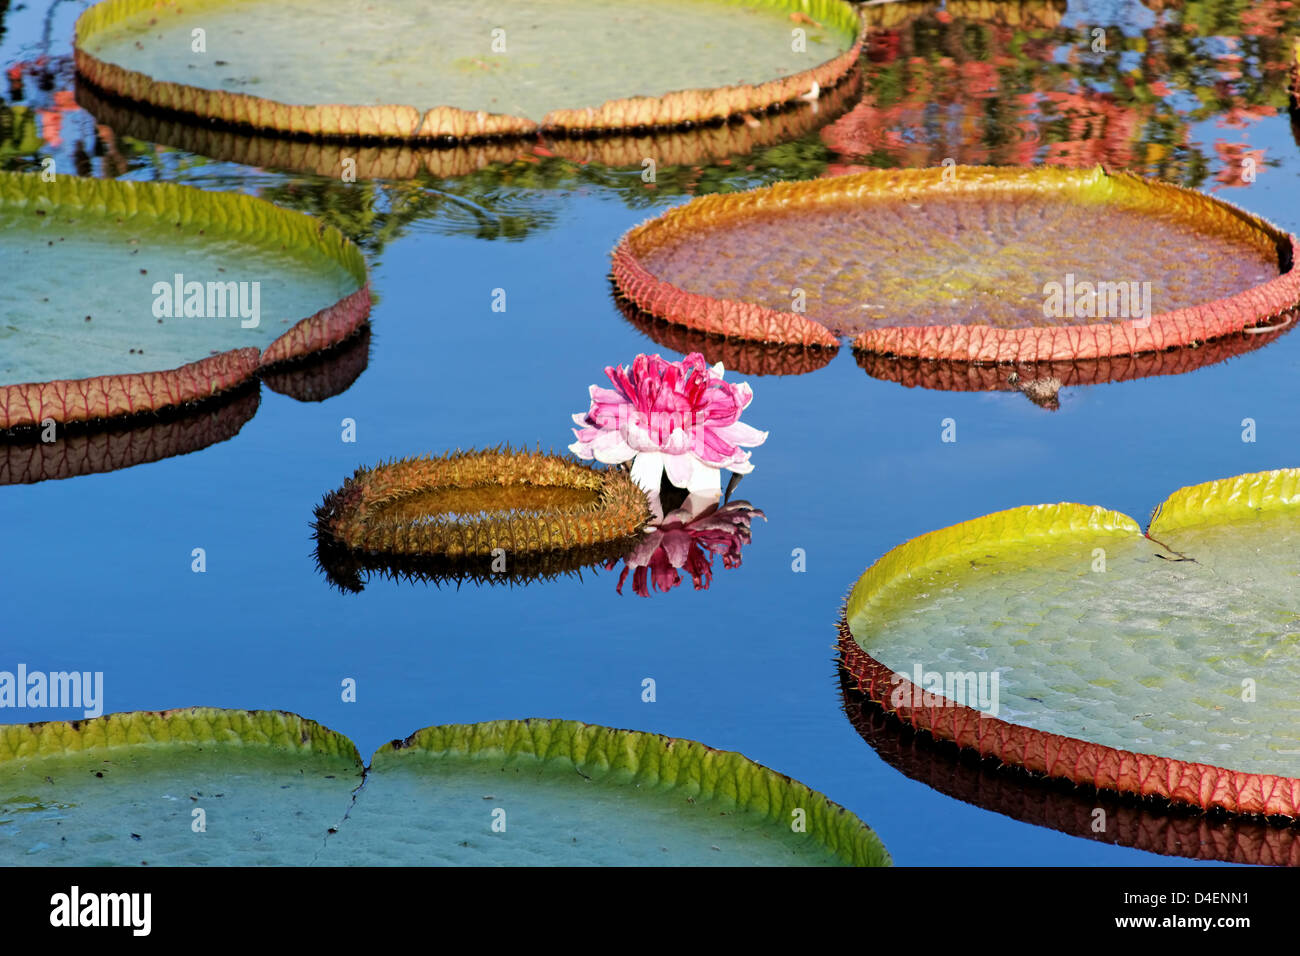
96,570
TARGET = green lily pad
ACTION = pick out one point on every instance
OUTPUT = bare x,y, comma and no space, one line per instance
122,279
1162,664
464,68
206,786
123,790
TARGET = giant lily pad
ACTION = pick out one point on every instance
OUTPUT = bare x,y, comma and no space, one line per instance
465,69
964,263
1065,807
1161,665
515,514
222,787
126,298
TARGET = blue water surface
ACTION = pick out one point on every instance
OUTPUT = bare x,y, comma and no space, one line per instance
95,571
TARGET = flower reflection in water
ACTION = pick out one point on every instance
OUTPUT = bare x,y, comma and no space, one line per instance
687,537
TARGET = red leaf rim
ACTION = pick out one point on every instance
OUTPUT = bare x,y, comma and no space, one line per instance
1258,306
1068,758
1068,809
104,397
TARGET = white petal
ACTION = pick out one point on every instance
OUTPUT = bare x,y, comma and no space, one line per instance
680,467
704,480
647,470
610,449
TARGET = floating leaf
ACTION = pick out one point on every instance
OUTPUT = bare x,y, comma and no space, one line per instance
1159,665
224,787
466,69
478,513
964,263
129,298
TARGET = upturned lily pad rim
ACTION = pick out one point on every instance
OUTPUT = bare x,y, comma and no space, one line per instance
737,355
620,513
1144,775
650,759
230,215
1063,806
448,124
1255,307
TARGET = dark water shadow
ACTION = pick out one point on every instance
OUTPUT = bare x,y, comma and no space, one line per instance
697,145
1041,382
97,447
324,374
351,570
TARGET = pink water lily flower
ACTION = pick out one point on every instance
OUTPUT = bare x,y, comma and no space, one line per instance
688,539
678,418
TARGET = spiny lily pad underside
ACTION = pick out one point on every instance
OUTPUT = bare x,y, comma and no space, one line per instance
470,504
277,789
465,69
960,264
1160,666
97,325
